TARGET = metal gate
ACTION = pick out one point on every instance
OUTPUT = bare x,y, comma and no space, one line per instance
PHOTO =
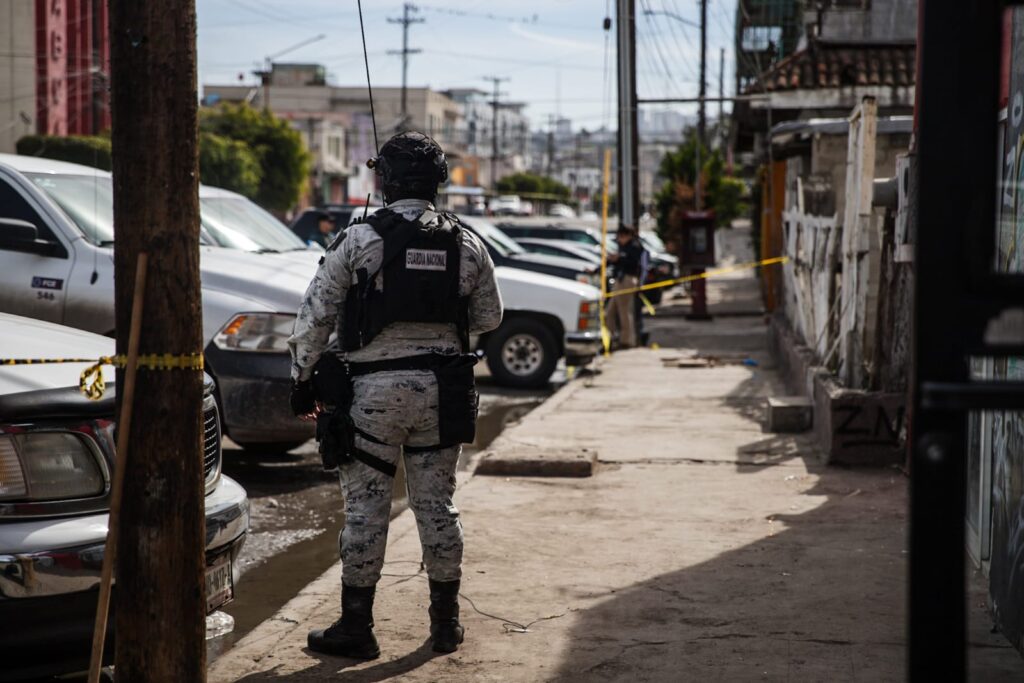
965,306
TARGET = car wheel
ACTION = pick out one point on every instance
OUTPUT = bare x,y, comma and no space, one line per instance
522,353
269,447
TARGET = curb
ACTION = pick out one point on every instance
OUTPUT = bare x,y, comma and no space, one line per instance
509,458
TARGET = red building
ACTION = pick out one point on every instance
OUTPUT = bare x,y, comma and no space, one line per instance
72,67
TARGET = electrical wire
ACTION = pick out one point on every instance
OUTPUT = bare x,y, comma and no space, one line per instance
510,625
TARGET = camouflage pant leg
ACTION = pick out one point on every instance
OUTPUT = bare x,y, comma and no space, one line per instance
399,408
431,484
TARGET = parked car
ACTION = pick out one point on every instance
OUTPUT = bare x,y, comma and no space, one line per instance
549,229
56,264
564,248
562,211
56,464
307,223
222,212
505,251
546,318
662,266
509,205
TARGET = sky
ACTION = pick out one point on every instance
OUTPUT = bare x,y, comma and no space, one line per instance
552,51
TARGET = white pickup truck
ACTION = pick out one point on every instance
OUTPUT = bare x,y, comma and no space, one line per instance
56,264
546,317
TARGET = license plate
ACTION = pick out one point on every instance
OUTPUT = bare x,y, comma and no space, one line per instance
219,588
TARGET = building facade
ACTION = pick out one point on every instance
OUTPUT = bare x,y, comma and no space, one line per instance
336,125
54,68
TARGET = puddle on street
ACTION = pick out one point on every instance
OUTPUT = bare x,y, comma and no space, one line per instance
296,516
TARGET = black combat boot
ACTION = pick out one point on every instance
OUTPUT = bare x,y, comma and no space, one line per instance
445,628
352,634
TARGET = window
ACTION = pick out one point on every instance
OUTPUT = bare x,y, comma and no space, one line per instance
13,205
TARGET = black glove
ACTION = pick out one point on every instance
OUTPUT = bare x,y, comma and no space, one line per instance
302,398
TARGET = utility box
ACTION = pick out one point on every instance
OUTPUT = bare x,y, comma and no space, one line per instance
697,239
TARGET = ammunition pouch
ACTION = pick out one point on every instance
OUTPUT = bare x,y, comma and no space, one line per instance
458,401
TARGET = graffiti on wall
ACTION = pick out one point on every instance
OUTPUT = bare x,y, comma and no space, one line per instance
1007,428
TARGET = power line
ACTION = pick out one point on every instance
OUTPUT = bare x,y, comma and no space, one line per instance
532,20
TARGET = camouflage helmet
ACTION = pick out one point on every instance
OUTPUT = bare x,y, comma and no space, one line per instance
410,163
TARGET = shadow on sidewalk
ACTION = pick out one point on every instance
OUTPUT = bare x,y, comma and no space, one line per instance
334,668
820,597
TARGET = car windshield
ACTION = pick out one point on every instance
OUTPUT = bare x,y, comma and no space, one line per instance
581,236
499,241
231,222
237,223
87,200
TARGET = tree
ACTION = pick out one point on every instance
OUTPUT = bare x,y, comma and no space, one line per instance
532,183
160,563
722,193
278,148
230,164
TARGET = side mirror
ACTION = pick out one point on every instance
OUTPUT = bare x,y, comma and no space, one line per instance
14,231
19,235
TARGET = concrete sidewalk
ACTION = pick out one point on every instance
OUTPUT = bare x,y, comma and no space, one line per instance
701,550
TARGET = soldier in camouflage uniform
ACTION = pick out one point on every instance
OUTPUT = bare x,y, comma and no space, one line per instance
396,411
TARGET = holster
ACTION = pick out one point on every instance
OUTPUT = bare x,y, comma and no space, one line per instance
458,400
335,432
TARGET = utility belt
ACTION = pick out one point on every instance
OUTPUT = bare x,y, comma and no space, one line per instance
458,405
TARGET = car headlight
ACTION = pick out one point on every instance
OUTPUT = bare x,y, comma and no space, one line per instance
266,332
38,466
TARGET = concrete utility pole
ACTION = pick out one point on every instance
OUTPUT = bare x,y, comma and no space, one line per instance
496,81
629,213
721,96
405,21
160,565
552,119
702,117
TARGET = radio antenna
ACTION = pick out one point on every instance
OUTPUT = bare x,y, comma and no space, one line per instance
369,86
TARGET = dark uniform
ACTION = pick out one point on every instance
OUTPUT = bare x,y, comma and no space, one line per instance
403,291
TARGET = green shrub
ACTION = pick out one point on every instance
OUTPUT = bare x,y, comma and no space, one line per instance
88,150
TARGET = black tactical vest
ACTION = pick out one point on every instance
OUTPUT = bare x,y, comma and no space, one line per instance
418,278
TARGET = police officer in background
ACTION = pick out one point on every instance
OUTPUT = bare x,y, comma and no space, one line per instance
628,269
403,291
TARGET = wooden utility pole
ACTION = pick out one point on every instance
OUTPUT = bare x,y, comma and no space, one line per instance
496,81
406,21
159,601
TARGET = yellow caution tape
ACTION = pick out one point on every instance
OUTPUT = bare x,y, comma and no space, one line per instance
700,276
91,382
648,305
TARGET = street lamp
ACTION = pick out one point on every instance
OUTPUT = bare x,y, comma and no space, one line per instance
677,17
268,66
